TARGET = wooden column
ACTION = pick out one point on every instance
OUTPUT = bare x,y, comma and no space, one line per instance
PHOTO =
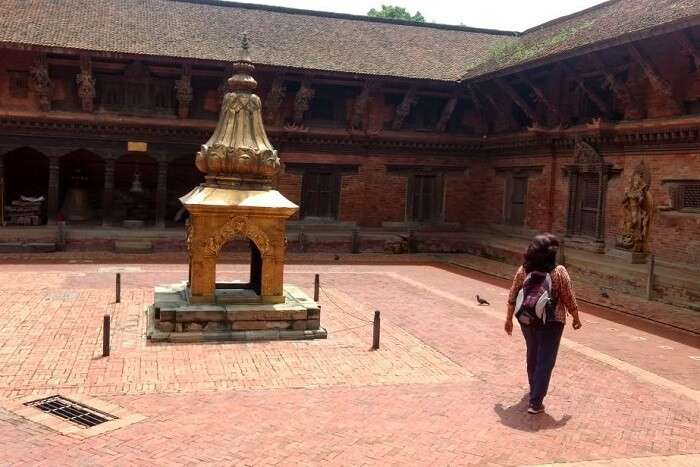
161,190
2,187
52,201
108,193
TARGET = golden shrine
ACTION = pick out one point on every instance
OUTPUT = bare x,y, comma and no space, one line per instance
236,200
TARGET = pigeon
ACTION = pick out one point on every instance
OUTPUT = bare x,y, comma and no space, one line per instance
336,257
481,301
604,293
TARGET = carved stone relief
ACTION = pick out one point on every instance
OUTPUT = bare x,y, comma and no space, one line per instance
638,207
237,225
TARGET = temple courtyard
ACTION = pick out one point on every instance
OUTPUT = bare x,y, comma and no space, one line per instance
446,386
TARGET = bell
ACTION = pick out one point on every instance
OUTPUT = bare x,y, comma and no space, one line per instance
76,206
136,184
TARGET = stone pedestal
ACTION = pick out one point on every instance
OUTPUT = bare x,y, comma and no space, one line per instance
631,257
172,318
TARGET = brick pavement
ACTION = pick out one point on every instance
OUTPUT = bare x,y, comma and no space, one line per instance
445,389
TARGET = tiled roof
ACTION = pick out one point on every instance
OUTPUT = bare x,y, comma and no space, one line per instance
211,30
607,21
278,36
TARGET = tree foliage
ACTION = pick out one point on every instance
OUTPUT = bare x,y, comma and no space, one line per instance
396,12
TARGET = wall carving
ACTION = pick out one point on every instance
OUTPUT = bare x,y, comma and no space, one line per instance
302,102
40,82
274,100
86,85
237,226
638,208
183,91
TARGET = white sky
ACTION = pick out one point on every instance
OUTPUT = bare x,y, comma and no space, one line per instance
510,15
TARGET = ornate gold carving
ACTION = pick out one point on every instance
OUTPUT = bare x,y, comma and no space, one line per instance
238,150
638,206
237,225
189,234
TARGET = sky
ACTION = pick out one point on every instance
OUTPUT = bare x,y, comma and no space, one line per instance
509,15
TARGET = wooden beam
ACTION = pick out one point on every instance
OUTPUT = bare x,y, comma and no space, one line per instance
447,112
499,110
404,108
519,101
688,46
620,89
541,96
657,81
479,107
592,95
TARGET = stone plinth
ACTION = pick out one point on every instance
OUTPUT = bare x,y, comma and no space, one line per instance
631,257
173,319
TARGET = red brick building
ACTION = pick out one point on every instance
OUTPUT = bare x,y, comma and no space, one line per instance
382,125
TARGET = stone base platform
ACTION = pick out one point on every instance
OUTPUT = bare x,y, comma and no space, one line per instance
631,257
172,319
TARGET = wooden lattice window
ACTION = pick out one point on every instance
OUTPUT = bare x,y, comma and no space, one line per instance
689,196
516,202
19,84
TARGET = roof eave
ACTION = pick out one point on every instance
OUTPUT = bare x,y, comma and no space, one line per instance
655,31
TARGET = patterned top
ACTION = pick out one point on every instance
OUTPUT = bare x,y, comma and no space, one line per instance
561,283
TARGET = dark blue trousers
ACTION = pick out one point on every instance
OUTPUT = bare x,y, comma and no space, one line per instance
542,341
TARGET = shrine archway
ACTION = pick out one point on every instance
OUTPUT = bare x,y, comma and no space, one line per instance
81,186
26,173
135,182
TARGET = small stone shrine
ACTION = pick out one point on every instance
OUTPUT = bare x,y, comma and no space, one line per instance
236,200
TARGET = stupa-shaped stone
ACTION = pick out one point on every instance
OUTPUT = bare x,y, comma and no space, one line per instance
236,201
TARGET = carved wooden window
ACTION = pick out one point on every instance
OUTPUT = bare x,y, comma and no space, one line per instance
320,193
425,197
19,84
163,95
517,194
587,202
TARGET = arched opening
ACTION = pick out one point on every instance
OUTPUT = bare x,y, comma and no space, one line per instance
135,180
26,174
234,289
183,176
81,184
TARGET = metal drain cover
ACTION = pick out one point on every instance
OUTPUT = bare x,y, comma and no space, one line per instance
72,411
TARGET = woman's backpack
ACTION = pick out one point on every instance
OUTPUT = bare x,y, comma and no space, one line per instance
535,303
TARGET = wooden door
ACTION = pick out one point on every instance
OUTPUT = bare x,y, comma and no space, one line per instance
516,201
426,198
320,195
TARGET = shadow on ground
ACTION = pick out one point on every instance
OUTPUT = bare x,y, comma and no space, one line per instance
516,417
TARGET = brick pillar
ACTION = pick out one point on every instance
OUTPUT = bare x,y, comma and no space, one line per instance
108,193
161,191
52,201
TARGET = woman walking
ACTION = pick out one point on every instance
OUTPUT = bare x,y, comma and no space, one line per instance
539,298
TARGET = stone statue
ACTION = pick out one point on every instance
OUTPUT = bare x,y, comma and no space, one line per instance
638,207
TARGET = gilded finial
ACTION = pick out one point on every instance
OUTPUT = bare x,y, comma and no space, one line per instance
243,69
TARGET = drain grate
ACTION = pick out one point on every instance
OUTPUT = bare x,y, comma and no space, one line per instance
71,411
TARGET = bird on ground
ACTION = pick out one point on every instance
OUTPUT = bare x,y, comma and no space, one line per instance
481,301
604,292
336,257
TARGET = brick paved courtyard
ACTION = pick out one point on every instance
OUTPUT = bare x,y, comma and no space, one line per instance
446,387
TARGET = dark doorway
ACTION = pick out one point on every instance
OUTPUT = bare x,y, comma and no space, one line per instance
517,194
320,193
587,205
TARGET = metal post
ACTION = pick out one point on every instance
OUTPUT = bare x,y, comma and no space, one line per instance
118,291
411,242
650,278
61,236
105,336
302,241
355,241
375,331
317,286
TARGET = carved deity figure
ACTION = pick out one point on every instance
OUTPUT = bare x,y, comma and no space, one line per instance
302,102
86,90
183,92
40,83
638,207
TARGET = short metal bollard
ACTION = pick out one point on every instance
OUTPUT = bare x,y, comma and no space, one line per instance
375,333
105,336
650,278
317,286
118,289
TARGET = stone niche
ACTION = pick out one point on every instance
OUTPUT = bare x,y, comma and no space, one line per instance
235,201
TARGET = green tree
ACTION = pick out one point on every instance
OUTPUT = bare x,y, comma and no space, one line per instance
396,12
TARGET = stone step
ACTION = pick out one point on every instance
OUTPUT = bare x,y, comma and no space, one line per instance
27,247
133,246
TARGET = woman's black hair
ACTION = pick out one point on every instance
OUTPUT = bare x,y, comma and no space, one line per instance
541,255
